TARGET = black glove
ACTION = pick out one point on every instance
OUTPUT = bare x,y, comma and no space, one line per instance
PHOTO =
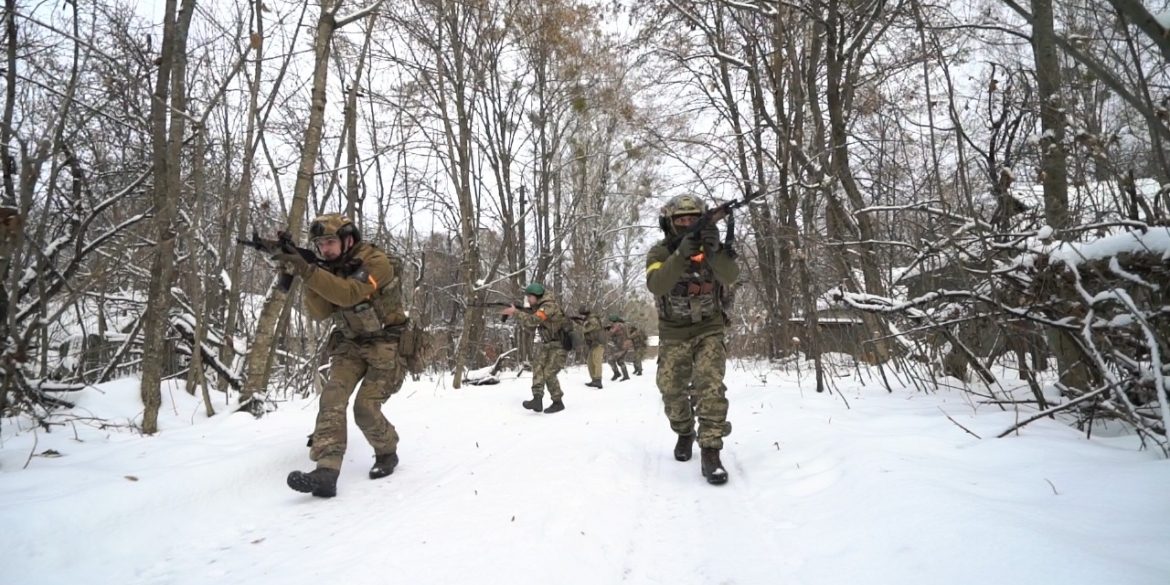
688,246
295,261
710,238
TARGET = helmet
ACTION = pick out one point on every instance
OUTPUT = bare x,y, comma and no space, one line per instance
615,318
678,207
334,224
583,310
534,289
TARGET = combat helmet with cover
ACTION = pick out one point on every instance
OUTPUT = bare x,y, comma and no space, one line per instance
677,207
334,224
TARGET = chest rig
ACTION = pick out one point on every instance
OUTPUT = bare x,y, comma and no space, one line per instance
694,298
378,316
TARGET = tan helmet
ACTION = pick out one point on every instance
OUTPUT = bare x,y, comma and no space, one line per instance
334,224
677,207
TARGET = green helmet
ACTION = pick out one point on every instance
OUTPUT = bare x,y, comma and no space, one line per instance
534,289
615,318
678,207
334,224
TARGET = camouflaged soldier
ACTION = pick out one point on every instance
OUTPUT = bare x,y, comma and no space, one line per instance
594,333
638,341
688,280
549,321
356,286
619,348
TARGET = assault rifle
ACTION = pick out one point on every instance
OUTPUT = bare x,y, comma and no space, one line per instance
282,243
503,318
713,215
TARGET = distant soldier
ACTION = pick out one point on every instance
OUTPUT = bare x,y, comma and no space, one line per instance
549,321
594,333
619,347
355,286
688,277
638,340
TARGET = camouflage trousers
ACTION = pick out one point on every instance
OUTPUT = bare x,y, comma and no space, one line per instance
594,357
549,361
639,357
695,366
616,356
381,371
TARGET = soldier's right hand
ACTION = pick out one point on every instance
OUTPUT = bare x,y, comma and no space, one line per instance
689,246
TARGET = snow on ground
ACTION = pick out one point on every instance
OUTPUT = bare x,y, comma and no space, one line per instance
886,491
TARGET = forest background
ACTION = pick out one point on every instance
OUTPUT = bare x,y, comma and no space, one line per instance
943,186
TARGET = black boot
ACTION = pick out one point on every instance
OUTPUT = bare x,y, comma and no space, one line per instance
595,383
682,449
383,465
625,373
321,482
535,405
712,467
616,375
637,371
556,406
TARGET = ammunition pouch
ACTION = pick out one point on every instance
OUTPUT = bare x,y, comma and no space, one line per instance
413,345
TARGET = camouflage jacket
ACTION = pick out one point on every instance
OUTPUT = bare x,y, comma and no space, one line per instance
618,337
689,292
593,331
547,317
361,292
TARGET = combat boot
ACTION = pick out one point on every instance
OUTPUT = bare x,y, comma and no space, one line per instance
616,375
384,465
637,371
682,449
556,406
625,373
594,383
535,405
712,467
321,482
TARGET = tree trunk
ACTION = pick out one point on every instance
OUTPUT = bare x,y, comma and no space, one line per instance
1054,172
256,370
167,145
242,202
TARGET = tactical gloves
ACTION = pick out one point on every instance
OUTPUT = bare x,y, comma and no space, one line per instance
298,264
688,246
710,238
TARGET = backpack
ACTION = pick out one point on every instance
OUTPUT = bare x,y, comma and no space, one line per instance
571,338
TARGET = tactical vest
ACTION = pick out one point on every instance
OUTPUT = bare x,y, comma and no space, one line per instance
696,296
555,328
380,314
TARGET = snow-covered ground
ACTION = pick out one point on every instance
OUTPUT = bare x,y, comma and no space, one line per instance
884,491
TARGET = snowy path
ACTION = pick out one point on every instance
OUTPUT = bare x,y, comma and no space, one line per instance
888,491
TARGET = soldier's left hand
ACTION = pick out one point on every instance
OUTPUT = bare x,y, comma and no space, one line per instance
710,238
508,311
298,263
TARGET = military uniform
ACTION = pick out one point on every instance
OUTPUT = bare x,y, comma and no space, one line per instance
594,333
688,284
618,349
548,319
638,340
360,291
